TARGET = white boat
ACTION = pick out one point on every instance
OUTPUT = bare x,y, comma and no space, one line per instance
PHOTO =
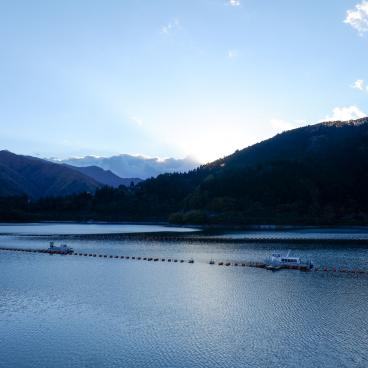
279,261
61,249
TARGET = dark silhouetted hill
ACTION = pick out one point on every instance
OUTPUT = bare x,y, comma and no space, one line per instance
39,178
314,173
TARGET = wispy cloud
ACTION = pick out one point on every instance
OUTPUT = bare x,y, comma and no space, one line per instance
359,84
170,27
233,2
136,120
232,54
345,113
358,17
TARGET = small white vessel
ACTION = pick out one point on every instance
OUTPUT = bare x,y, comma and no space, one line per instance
61,249
279,261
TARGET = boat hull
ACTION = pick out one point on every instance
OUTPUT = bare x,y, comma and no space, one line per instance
60,252
300,267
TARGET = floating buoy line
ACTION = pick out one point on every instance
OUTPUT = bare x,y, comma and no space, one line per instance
323,269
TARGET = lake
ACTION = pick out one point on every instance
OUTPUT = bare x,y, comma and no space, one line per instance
68,311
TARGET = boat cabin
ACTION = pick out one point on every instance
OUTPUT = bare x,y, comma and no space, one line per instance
279,259
63,249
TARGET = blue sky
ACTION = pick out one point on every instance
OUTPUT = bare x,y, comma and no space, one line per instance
176,78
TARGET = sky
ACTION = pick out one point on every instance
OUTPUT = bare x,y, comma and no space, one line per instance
175,78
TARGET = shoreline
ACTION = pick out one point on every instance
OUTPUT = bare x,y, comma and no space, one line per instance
204,227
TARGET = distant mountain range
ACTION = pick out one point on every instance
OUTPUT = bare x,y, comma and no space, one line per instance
128,166
40,178
105,177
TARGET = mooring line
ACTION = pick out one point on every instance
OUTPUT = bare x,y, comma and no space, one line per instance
323,269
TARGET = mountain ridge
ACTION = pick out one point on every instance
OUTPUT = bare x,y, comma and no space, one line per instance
316,175
20,174
105,177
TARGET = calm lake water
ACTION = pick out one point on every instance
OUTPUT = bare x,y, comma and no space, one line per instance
66,311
